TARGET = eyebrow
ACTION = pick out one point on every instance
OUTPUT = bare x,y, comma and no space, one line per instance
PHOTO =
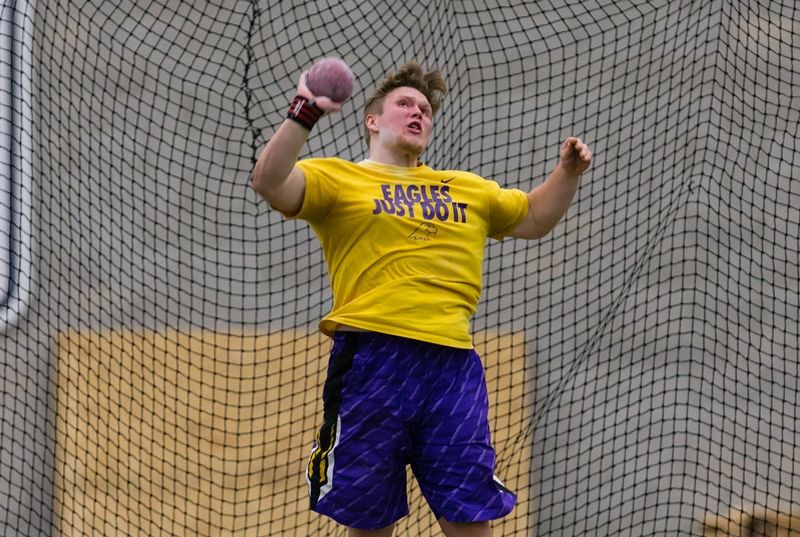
423,103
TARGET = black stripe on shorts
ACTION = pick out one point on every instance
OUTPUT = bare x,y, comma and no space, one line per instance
340,363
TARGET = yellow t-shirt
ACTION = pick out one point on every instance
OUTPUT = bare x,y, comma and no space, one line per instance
404,246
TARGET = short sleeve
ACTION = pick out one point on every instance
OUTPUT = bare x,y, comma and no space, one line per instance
507,208
320,190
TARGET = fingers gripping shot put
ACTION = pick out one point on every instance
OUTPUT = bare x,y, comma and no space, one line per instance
404,246
330,77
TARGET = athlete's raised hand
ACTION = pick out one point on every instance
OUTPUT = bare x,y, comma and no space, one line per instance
575,156
325,103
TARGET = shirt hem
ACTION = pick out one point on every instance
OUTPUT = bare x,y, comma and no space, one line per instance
329,326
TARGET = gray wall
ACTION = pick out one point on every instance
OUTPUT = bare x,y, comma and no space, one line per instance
662,313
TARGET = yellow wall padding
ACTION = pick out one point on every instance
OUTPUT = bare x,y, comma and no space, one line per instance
201,433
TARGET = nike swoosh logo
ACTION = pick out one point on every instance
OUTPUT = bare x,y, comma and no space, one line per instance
448,180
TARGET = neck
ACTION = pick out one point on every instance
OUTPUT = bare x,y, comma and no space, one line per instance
394,158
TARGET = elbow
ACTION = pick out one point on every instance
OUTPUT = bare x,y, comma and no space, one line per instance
257,178
532,228
543,228
533,233
538,234
256,181
282,192
264,176
260,182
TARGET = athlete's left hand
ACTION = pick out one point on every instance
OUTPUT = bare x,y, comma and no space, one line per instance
575,156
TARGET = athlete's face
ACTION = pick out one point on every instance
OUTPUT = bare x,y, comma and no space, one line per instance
405,124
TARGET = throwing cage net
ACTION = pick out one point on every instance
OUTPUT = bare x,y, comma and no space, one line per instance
162,369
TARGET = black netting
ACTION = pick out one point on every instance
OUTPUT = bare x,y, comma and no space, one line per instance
161,369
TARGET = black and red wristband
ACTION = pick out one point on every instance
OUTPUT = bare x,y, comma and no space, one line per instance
305,112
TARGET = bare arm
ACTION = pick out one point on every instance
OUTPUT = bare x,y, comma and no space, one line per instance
548,202
275,176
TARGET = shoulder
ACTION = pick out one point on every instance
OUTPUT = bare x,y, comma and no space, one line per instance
324,163
448,175
468,180
326,168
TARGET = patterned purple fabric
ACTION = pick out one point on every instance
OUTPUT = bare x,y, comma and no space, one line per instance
391,401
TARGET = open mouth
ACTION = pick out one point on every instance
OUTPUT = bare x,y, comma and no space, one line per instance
415,127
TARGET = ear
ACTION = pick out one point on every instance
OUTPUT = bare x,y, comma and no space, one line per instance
371,122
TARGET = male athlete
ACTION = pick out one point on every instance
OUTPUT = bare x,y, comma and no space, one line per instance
404,246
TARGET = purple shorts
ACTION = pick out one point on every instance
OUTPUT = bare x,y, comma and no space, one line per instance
389,402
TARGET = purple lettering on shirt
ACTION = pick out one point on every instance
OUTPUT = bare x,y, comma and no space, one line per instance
434,202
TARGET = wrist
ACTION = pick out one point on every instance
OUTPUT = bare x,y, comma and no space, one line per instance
569,171
305,112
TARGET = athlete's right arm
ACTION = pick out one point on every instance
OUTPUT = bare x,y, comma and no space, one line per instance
275,176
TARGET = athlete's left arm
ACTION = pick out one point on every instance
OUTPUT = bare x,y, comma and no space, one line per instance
548,202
